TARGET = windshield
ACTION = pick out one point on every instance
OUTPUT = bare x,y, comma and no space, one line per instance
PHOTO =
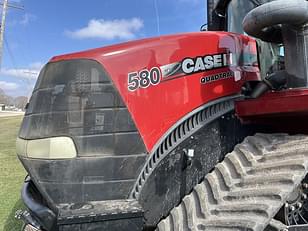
269,53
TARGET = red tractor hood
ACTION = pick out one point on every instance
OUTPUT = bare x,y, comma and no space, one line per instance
163,79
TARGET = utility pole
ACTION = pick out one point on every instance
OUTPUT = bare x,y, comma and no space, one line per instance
4,9
5,5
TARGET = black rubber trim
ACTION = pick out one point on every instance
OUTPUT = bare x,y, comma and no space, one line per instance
42,213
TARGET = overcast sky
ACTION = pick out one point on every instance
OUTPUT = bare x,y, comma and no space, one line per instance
48,28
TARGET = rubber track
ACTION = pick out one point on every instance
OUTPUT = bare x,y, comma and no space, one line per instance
247,189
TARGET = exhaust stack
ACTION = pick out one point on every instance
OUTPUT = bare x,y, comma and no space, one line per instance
284,21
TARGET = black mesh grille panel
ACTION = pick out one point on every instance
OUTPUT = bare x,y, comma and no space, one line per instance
76,98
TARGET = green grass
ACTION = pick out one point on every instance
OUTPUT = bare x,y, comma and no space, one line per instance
12,174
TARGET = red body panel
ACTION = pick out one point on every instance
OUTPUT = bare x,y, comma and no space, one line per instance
284,111
274,103
275,107
156,108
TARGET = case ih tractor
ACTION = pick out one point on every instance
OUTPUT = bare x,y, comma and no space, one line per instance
194,131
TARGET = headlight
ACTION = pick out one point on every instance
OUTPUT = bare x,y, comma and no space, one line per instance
48,148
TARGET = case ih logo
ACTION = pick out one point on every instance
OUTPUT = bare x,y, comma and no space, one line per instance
146,78
209,62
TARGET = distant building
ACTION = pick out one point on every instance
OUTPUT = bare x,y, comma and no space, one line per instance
10,108
2,107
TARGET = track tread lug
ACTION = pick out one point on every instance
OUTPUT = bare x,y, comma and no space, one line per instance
246,190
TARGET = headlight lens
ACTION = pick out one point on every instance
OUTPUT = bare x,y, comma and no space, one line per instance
48,148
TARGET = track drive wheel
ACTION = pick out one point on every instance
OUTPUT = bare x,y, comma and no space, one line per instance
247,189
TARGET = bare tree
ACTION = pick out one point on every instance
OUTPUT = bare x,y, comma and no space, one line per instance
21,102
8,100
